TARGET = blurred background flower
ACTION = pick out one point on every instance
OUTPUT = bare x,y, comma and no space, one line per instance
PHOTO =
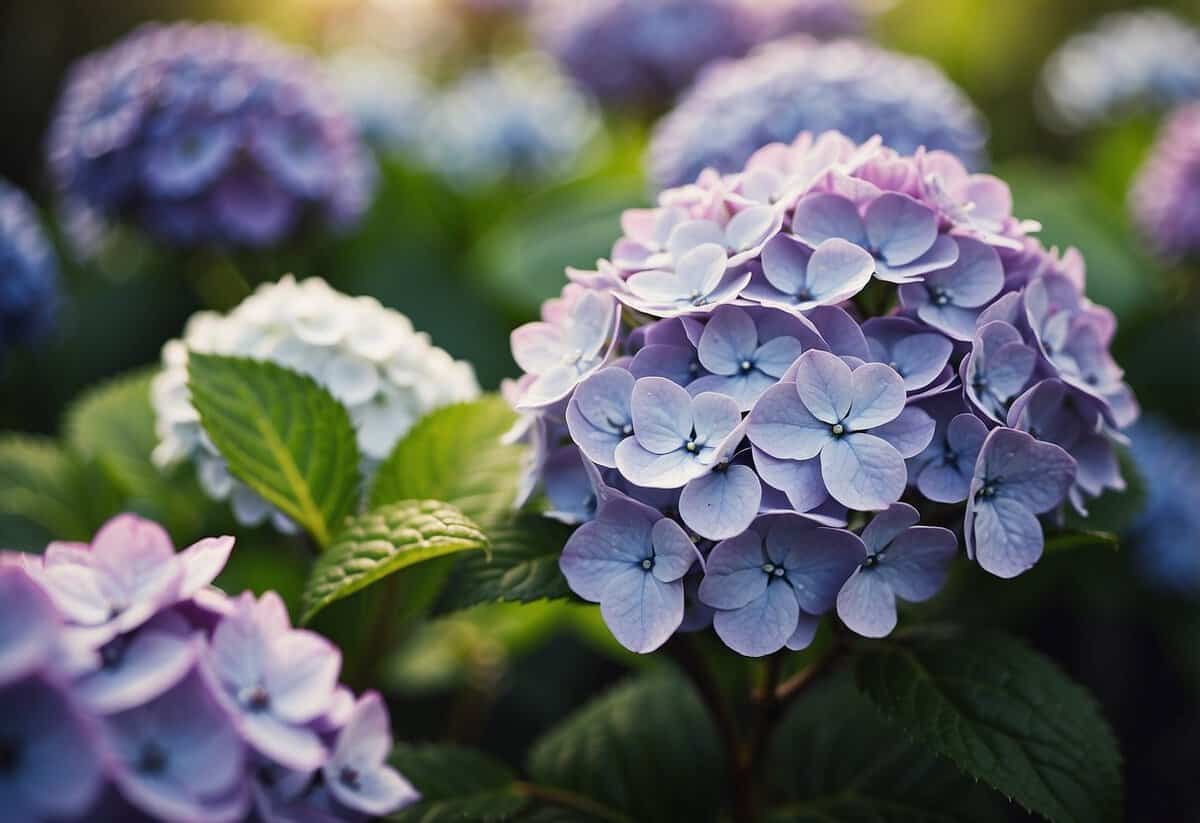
1165,199
28,272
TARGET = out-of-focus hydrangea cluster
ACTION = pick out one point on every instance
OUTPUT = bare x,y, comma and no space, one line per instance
207,134
28,272
134,689
1167,532
643,52
1128,61
388,97
369,357
1165,198
837,334
801,84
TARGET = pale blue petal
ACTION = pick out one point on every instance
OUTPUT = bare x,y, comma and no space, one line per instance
888,525
721,504
674,552
799,480
657,471
899,228
783,427
1007,537
867,605
678,364
825,385
909,433
776,356
838,270
661,413
729,339
641,611
819,217
840,331
785,266
806,630
863,472
620,537
763,625
817,561
715,417
733,574
879,397
918,561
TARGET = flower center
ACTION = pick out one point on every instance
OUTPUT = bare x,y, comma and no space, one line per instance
871,560
348,777
255,698
648,563
746,367
572,357
938,296
838,429
113,652
152,759
988,490
10,755
627,429
691,446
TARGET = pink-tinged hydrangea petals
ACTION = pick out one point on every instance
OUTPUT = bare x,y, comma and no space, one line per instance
202,562
799,480
729,339
701,269
941,255
733,575
657,471
674,552
655,287
692,234
867,604
909,433
806,631
899,228
721,504
599,417
237,650
751,226
817,562
763,625
837,271
878,397
661,413
863,472
301,672
715,417
138,667
76,591
641,611
357,773
127,540
537,347
29,625
888,525
825,385
591,324
783,427
918,561
1007,537
819,217
620,536
840,331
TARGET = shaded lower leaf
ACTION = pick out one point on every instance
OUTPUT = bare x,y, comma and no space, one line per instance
1005,715
522,565
456,784
383,541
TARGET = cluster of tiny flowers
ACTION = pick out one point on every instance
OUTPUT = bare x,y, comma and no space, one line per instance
643,52
28,271
369,357
1165,198
207,134
1166,534
1128,61
388,97
772,356
133,689
800,84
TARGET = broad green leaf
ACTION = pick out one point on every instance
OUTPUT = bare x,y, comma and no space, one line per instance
647,748
522,566
834,759
456,784
455,454
282,435
44,484
1005,715
383,541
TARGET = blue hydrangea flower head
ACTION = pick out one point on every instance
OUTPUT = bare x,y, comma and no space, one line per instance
28,272
1128,61
796,85
207,135
1165,198
943,471
1167,532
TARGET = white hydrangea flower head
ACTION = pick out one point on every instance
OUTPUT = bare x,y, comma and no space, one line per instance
386,374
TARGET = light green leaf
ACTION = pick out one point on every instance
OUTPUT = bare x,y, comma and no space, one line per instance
522,565
383,541
282,435
1081,539
44,484
1005,715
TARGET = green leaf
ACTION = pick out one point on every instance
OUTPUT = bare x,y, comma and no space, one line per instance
455,454
1005,715
522,566
1081,539
834,759
646,748
44,484
283,435
456,784
383,541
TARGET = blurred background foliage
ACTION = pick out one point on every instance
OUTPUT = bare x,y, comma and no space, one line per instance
467,265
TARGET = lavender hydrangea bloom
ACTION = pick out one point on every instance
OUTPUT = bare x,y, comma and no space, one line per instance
998,368
830,412
796,277
702,279
799,85
563,352
902,560
1165,197
29,625
206,134
631,560
943,471
28,272
918,355
275,679
1016,478
50,757
951,299
136,667
770,583
357,773
178,757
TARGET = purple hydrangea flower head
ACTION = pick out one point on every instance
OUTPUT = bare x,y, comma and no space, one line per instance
918,355
51,753
800,84
820,18
943,471
1129,61
1016,478
632,560
903,560
1163,200
797,277
179,757
770,583
207,135
951,299
998,368
275,679
28,272
855,421
357,773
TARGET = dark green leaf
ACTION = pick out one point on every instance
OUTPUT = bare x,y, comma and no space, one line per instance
521,567
456,784
1081,539
1005,715
283,435
383,541
646,748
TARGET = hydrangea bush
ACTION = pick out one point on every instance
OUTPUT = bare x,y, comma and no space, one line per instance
1165,198
369,358
801,84
147,693
801,387
207,135
28,272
